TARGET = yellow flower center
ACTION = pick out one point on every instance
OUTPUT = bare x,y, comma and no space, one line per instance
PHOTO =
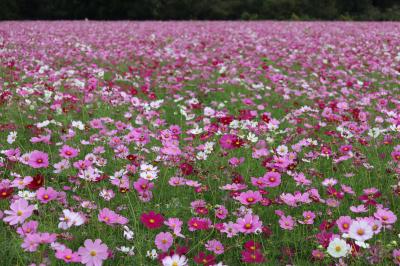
93,253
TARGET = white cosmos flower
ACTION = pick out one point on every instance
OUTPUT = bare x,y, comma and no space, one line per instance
69,219
360,231
152,254
338,248
175,260
282,150
11,137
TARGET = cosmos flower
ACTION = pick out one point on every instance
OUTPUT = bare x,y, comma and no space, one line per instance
110,217
360,231
175,260
164,241
152,220
215,246
93,253
68,152
338,248
38,159
67,255
272,179
250,197
45,195
19,211
248,224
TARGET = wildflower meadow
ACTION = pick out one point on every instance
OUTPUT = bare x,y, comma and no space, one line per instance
199,143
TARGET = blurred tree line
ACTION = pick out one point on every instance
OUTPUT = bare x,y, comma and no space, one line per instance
201,9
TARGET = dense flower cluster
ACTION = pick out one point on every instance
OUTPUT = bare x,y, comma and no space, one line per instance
200,143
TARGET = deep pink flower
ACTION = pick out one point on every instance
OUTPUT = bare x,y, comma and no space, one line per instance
272,179
249,197
68,152
152,220
199,224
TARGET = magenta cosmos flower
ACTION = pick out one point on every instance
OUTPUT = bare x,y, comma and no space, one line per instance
20,211
230,141
249,197
164,241
38,159
272,179
93,253
68,152
44,195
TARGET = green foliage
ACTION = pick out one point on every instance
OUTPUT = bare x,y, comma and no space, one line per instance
201,9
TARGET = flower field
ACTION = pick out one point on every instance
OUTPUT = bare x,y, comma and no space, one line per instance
199,143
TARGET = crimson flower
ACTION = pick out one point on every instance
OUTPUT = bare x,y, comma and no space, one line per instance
152,220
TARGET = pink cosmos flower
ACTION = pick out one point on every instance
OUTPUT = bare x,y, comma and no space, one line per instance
20,211
258,182
249,197
21,183
164,241
272,179
93,253
46,195
286,222
67,255
28,228
221,212
248,224
31,242
68,152
387,217
38,159
177,181
215,246
230,229
110,217
309,217
234,161
175,224
396,256
344,223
